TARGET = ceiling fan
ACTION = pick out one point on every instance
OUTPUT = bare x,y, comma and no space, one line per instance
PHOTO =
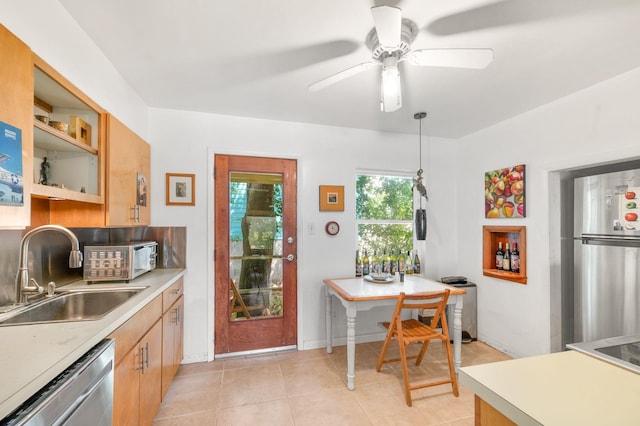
390,43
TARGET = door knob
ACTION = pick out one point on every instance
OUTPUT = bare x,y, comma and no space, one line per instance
290,258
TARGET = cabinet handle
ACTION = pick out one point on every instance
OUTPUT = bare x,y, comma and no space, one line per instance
146,361
176,318
140,367
177,291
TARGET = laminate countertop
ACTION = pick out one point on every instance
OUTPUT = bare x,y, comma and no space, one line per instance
564,388
33,355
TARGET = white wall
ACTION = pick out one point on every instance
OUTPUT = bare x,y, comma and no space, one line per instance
597,125
185,142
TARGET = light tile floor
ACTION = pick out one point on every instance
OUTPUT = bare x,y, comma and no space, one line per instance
309,388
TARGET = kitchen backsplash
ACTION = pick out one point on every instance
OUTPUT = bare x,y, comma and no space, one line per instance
49,253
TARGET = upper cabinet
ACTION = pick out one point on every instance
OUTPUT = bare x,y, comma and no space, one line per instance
16,149
129,167
68,140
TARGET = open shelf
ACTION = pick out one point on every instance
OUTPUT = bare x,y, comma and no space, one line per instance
491,236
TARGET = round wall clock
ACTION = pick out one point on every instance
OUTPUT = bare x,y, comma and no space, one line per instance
332,228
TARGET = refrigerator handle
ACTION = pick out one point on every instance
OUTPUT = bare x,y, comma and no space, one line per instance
604,240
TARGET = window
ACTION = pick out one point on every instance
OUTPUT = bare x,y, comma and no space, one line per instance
384,213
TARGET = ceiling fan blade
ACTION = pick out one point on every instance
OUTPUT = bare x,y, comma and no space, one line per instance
388,23
512,12
332,79
454,58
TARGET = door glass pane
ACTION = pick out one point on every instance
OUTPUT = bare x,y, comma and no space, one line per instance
255,244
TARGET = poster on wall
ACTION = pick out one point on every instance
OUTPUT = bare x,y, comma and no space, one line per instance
11,189
504,192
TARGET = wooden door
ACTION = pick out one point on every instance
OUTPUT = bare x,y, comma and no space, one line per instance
255,253
128,165
16,110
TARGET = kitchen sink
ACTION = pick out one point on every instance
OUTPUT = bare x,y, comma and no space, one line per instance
72,306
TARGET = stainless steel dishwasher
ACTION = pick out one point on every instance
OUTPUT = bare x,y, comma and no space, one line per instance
81,395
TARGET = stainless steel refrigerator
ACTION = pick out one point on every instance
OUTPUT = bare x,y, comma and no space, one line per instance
606,256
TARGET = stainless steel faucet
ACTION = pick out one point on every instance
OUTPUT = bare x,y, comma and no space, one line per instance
24,285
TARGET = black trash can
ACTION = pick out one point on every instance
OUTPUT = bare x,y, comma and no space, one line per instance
469,312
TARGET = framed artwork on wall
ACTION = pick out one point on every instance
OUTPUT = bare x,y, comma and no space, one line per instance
181,189
331,198
504,195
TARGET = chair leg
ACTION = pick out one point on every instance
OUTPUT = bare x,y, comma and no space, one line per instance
423,350
452,370
405,373
383,351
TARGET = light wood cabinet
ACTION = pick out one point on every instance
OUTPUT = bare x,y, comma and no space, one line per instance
16,97
75,158
138,367
172,333
129,168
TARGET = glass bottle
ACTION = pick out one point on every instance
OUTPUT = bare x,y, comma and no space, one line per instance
499,256
358,264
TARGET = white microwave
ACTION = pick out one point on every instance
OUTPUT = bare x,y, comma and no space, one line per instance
121,262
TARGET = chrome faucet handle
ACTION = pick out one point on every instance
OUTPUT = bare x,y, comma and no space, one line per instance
35,287
51,288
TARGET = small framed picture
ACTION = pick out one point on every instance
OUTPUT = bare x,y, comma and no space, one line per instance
331,198
80,130
181,189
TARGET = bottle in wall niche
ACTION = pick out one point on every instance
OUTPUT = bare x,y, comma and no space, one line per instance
506,259
416,263
386,267
365,263
515,258
499,256
393,263
408,264
358,264
375,263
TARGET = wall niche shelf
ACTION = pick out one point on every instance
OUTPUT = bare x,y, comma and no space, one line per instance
491,236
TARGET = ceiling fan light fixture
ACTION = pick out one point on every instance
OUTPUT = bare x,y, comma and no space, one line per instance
391,89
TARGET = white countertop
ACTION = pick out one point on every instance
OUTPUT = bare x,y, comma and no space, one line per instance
564,388
32,355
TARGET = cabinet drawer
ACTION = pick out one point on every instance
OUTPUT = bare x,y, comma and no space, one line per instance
129,333
173,293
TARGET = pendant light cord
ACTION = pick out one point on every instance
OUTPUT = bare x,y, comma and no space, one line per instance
420,116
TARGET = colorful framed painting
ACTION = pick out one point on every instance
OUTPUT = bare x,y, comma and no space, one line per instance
11,186
181,189
331,198
504,193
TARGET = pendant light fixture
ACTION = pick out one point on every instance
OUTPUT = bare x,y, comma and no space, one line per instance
421,214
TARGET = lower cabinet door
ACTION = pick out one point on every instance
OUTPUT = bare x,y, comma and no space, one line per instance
151,375
172,343
126,385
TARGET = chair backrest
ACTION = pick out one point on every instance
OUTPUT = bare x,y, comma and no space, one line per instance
434,300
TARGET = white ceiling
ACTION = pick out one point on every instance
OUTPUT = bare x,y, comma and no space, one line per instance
255,58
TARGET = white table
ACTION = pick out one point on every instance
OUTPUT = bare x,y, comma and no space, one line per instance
358,294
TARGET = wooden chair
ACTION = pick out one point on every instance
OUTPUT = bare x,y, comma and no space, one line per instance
410,331
236,304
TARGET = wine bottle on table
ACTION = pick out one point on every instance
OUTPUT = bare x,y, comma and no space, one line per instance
365,263
358,264
515,258
386,267
393,263
499,256
408,264
506,259
375,263
401,262
416,263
